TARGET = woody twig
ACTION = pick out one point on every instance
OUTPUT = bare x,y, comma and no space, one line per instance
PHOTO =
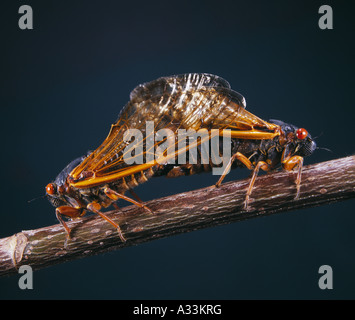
322,183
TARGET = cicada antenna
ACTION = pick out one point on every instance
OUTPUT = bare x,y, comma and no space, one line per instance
321,148
326,149
29,201
318,136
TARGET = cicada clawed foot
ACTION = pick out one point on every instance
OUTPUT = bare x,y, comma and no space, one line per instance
246,203
298,186
67,238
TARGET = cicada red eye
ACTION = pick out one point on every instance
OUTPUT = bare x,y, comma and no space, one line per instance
301,133
50,188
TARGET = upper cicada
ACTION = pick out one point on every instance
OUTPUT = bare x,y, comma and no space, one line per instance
201,103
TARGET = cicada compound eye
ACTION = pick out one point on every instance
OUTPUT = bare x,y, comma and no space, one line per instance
50,189
301,133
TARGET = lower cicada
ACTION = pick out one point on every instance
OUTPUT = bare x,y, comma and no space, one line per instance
177,103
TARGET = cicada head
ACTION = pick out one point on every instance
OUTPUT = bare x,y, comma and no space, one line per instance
298,140
57,191
305,144
53,195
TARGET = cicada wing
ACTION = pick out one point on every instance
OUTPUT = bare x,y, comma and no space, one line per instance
111,150
177,83
191,101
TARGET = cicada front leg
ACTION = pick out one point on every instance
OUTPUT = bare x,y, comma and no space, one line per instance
289,164
69,212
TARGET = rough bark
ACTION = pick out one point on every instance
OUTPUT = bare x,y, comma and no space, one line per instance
322,183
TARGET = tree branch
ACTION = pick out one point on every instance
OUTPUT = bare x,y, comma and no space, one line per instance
273,193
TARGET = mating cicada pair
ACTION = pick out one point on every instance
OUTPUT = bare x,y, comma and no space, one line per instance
184,102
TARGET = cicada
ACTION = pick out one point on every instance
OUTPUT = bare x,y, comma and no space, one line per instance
183,102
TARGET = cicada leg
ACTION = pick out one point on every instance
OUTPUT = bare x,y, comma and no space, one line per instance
114,195
95,207
239,156
260,165
115,205
243,159
69,212
291,163
135,195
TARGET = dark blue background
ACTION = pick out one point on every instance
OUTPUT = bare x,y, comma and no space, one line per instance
64,82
